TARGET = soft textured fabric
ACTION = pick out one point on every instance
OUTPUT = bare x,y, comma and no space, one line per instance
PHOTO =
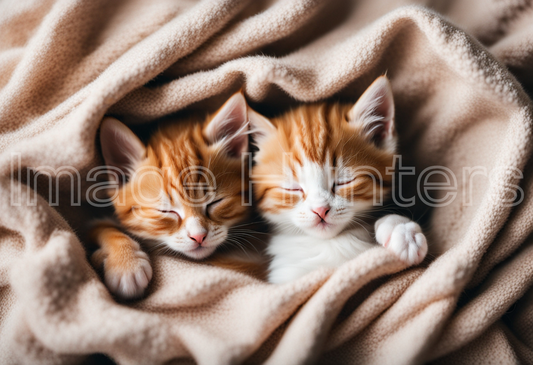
64,64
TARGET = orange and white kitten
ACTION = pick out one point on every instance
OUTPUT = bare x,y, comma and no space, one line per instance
181,191
316,173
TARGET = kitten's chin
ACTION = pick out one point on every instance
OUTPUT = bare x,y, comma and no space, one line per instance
325,231
199,252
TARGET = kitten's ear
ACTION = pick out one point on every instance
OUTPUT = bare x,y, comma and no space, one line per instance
260,127
121,148
229,126
374,112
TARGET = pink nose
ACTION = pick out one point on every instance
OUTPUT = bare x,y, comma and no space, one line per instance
199,237
321,211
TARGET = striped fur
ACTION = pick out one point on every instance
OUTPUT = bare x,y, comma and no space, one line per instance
318,137
319,168
181,192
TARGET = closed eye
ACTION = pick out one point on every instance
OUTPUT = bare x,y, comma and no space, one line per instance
292,188
211,206
358,179
345,182
172,212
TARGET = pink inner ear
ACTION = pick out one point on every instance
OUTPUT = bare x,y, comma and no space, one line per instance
118,151
229,126
120,146
379,131
237,145
374,112
384,105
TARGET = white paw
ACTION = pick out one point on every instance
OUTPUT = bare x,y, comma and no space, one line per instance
403,237
128,276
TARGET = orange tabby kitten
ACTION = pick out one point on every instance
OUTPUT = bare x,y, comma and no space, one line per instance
318,169
181,191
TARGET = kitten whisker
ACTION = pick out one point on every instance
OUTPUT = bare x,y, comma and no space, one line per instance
239,245
360,223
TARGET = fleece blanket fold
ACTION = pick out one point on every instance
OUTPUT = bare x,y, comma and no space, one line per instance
457,69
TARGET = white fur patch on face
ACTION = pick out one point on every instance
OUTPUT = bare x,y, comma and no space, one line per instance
186,240
320,212
211,235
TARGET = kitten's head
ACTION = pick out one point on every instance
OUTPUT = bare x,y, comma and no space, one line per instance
183,189
320,165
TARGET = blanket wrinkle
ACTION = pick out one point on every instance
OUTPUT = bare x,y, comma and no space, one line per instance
249,35
460,72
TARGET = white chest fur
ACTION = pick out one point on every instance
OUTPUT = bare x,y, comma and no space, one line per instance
296,255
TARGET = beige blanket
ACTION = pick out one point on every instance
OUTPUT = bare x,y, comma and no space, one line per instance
66,63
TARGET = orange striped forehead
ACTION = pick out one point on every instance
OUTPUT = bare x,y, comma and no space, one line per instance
185,189
318,135
311,131
321,134
184,171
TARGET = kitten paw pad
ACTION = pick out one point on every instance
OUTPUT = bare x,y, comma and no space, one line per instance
403,237
126,275
408,243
